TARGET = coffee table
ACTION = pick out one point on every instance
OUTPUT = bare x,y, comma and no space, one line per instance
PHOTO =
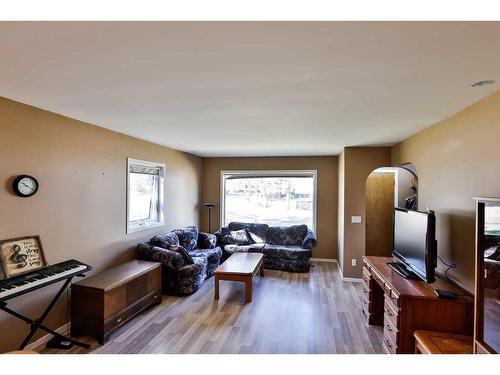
240,267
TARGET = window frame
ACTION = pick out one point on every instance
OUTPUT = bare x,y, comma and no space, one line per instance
138,225
270,173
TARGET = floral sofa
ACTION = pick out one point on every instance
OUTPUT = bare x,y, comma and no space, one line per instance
187,256
284,248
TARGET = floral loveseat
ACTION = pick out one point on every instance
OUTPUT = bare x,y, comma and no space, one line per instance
284,248
187,256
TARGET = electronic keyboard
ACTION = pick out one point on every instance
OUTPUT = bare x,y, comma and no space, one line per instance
18,285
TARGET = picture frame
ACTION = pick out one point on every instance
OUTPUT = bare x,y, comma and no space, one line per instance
21,255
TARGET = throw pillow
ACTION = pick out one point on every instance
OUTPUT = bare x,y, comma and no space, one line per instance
188,237
228,240
240,237
255,237
163,240
188,259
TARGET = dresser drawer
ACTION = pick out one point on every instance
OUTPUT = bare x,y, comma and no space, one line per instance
390,346
391,312
366,276
365,302
388,350
390,330
366,293
391,294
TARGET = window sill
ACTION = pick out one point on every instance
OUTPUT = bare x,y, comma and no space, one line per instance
144,227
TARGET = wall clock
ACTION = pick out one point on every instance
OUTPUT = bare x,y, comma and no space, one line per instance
25,186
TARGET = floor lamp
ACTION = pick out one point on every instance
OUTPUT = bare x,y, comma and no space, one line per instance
209,206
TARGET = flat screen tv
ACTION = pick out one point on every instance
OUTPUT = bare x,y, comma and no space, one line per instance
415,242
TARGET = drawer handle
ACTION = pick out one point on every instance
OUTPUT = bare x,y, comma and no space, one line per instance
119,320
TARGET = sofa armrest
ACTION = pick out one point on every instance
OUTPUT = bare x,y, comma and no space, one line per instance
309,240
206,240
167,258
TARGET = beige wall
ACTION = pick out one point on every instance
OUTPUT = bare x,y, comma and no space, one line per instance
327,185
79,210
359,162
456,160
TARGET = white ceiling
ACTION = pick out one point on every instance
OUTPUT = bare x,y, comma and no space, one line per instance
251,88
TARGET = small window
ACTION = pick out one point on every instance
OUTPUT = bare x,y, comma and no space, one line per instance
145,192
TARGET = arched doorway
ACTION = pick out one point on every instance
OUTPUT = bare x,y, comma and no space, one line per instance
386,188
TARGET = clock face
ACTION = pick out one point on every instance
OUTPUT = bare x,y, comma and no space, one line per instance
25,186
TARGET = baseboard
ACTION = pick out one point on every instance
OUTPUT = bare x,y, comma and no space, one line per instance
63,330
348,279
325,260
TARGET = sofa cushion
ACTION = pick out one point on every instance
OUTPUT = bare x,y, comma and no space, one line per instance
206,240
253,248
191,277
180,250
240,237
287,265
163,240
257,231
213,257
167,258
188,237
286,252
293,235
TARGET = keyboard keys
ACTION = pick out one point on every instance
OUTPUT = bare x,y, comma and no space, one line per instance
24,284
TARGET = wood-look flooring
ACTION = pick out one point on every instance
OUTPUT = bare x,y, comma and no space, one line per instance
291,313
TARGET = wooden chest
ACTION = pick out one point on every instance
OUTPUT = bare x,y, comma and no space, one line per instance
104,302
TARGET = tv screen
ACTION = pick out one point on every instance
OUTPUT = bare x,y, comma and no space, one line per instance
414,241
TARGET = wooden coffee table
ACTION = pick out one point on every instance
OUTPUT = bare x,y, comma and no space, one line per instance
240,267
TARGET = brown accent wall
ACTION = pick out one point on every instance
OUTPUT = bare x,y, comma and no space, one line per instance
80,208
457,159
341,212
327,196
359,162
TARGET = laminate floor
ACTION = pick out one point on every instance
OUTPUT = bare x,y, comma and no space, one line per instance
291,313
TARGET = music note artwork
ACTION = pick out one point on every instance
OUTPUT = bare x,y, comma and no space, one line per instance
21,255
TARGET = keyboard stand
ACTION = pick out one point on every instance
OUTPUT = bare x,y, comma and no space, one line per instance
35,325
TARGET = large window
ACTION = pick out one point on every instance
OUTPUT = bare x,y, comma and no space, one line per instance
145,191
277,198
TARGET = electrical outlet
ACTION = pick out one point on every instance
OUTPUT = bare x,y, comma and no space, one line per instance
354,262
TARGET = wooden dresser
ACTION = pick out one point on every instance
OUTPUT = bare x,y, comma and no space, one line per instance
104,302
403,306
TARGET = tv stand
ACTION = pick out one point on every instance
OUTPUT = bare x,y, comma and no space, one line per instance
403,306
402,270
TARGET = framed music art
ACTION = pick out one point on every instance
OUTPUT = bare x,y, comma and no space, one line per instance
21,255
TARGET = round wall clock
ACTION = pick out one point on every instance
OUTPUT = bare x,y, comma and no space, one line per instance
25,186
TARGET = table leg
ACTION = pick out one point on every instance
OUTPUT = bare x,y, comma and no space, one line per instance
248,290
262,269
216,296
